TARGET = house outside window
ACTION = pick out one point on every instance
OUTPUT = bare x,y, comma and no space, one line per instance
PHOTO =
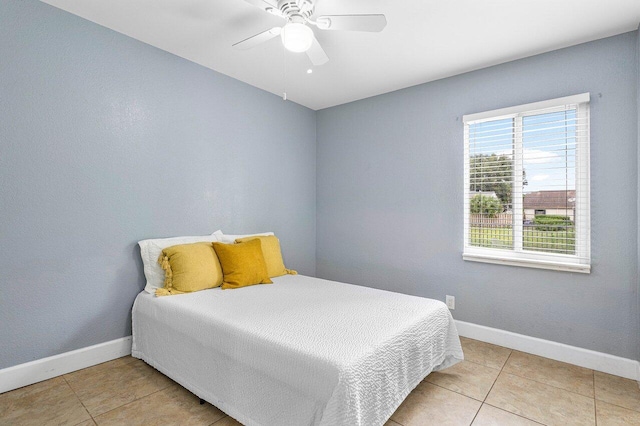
550,202
527,200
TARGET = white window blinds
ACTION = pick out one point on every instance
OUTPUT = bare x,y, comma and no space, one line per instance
526,194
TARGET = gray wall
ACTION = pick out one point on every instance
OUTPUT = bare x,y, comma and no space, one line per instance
105,141
389,198
638,147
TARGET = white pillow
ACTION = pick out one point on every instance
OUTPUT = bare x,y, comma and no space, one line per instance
230,239
150,251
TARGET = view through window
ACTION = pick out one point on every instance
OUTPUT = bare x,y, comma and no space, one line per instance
527,183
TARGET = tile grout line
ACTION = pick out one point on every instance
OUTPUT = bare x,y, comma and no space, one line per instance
221,418
476,415
608,402
485,397
394,421
171,383
478,363
131,402
450,390
594,397
618,406
548,384
595,401
78,396
460,393
120,406
515,414
533,380
79,399
491,388
494,383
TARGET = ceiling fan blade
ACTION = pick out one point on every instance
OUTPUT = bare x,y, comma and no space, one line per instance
257,39
316,53
370,23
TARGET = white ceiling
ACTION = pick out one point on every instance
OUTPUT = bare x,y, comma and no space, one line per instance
424,40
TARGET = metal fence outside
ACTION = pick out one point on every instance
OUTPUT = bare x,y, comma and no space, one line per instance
499,234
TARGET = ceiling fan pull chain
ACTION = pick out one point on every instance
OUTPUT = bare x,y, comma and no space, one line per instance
284,66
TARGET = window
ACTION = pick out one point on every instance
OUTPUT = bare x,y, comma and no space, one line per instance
526,192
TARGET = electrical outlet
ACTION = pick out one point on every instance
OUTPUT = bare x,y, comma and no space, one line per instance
451,302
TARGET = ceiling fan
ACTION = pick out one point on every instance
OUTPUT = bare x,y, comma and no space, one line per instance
296,34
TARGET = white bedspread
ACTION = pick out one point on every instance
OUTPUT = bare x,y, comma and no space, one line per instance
301,351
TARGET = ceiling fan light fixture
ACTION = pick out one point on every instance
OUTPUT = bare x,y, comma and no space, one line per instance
296,37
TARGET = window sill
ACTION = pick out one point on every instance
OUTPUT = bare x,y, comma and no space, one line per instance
529,263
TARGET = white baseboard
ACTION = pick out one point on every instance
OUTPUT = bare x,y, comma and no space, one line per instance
42,369
599,361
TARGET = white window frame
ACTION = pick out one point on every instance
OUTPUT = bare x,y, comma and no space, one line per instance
581,261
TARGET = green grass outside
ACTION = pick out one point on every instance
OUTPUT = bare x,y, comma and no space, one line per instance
547,241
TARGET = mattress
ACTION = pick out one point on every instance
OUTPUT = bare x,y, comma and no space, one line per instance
300,351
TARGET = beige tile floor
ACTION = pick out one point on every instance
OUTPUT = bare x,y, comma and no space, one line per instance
493,386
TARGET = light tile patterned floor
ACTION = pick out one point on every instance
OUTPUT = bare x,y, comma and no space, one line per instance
493,386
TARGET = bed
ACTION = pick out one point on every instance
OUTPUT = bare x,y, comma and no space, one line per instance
300,351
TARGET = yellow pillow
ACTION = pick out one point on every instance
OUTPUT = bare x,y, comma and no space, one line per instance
272,255
188,268
242,264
